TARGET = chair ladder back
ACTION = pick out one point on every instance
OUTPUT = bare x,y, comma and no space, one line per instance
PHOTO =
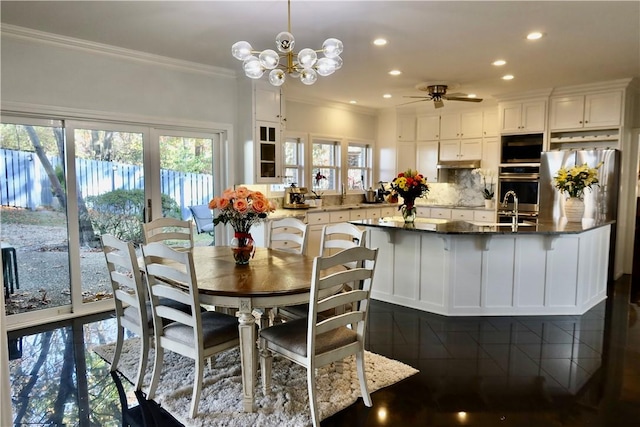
288,234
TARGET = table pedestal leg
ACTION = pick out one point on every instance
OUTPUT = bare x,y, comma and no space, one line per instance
248,353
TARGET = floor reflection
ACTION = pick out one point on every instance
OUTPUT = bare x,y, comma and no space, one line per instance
488,371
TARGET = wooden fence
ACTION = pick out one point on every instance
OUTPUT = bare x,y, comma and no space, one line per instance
24,182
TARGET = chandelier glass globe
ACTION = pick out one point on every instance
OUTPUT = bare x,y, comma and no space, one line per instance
304,65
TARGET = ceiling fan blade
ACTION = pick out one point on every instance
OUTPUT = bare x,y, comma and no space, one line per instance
465,99
454,95
438,103
421,97
413,102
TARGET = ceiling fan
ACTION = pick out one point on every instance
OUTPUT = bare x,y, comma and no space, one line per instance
438,92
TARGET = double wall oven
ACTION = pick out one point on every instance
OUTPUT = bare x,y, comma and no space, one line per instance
520,172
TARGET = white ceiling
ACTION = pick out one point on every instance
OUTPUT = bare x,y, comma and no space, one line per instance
450,42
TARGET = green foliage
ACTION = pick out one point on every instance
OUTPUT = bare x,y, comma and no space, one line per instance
120,212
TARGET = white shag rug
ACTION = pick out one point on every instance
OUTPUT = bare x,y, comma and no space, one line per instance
287,404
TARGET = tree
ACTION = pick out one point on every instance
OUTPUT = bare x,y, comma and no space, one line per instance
87,235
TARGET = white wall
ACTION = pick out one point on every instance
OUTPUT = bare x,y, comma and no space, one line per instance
330,120
44,71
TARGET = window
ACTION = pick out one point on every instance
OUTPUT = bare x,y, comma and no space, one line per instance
359,166
325,159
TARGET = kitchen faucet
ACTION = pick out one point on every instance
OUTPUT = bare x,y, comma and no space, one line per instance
514,218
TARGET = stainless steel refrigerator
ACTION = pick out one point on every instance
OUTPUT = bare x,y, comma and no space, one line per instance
600,202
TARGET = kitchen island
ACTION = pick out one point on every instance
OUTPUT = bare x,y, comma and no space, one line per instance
460,268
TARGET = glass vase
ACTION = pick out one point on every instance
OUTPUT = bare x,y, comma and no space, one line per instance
408,214
242,248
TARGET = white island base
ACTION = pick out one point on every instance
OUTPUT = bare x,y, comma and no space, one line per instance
491,274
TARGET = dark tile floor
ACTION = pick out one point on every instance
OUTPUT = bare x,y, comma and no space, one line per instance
475,371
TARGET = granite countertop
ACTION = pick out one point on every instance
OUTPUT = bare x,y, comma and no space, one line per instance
443,226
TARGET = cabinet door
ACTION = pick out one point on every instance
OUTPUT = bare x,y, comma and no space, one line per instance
314,235
449,150
267,104
423,212
490,123
533,116
603,109
406,128
428,128
566,112
471,124
427,160
405,156
462,214
268,157
510,117
471,149
491,154
450,126
442,213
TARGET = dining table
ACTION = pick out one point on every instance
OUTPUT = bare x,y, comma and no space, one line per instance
271,279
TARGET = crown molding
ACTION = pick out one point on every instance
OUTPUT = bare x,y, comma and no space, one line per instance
519,96
17,32
592,87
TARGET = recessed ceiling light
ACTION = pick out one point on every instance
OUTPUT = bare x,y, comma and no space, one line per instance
386,95
507,77
395,72
499,62
379,42
471,95
353,101
534,35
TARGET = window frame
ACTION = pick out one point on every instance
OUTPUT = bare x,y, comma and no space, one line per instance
367,169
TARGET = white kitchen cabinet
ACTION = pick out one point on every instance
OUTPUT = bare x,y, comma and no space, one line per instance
490,122
462,214
406,128
358,214
457,126
491,154
596,110
484,216
388,211
427,160
428,128
423,212
339,216
405,155
268,152
442,213
268,104
523,117
373,213
464,149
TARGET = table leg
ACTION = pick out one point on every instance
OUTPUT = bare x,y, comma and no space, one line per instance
248,353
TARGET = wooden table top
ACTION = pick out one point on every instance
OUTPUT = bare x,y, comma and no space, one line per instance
269,273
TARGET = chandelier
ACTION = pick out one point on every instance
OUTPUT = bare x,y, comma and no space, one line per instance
304,65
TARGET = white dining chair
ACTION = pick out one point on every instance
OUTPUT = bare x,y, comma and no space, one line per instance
316,341
171,276
171,231
129,296
288,234
335,238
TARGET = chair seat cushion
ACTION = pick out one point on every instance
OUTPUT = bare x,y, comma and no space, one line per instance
293,336
217,328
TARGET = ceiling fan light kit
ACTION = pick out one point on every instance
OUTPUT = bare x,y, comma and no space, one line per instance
438,93
304,65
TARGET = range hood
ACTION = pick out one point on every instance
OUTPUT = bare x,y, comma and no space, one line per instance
458,164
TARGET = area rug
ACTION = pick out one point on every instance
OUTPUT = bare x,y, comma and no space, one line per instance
287,403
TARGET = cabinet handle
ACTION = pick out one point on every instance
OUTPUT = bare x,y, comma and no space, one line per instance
586,121
580,122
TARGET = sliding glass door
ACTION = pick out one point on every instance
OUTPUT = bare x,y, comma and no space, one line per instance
33,218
